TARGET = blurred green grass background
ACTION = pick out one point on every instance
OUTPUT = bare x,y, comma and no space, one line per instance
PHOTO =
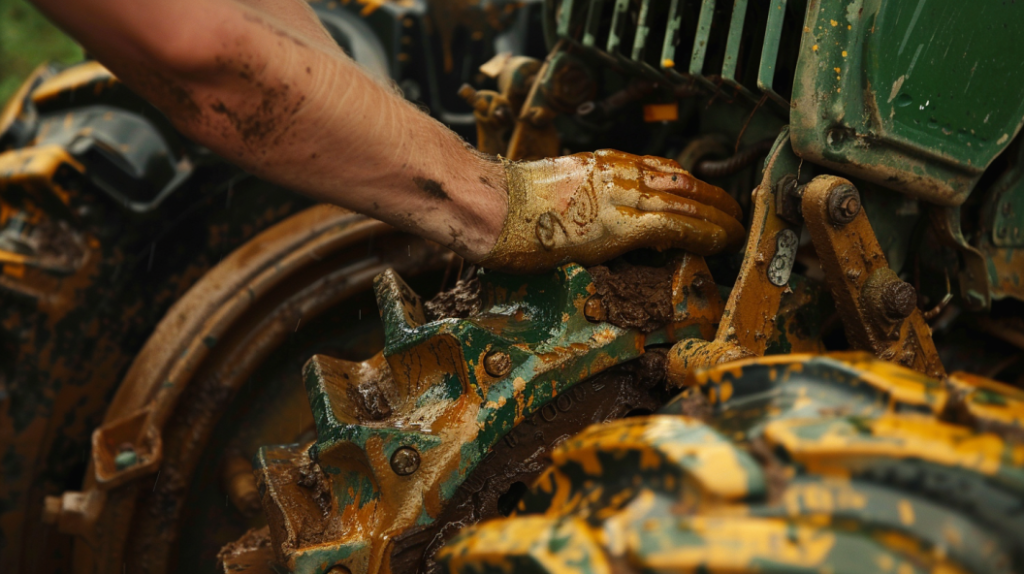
27,39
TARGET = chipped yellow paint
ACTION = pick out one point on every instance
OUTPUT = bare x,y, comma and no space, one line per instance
892,436
660,440
978,390
558,546
72,78
732,544
15,105
906,511
826,497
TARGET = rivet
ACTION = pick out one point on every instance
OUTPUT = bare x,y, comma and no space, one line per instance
338,569
497,363
405,461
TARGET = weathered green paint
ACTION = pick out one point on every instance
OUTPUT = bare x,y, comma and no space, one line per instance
537,321
916,96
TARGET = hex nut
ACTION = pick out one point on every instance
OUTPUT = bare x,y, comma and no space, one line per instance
405,461
497,363
843,204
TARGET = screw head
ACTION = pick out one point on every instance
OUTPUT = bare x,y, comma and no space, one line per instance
843,204
405,461
497,363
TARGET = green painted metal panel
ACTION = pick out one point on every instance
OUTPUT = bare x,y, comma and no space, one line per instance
950,74
918,96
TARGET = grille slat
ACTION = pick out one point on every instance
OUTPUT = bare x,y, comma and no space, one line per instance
702,42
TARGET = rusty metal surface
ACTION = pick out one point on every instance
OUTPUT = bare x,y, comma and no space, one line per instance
879,310
430,434
749,320
256,299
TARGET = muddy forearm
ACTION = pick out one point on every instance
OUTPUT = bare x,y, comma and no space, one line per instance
264,86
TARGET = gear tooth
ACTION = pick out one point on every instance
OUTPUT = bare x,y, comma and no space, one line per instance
344,392
400,307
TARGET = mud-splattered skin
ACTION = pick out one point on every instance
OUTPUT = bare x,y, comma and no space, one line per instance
263,85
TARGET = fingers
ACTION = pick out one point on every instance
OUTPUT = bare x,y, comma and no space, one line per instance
654,202
662,230
681,183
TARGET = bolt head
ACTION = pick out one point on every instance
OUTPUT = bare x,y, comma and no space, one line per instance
405,461
843,204
497,363
899,299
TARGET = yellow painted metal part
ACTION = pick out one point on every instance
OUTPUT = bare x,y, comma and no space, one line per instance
834,463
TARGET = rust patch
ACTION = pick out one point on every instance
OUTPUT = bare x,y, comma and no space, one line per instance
635,296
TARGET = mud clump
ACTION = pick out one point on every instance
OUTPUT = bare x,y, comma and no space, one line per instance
635,296
459,302
312,478
370,395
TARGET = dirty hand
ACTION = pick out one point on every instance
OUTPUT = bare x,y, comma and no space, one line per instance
591,207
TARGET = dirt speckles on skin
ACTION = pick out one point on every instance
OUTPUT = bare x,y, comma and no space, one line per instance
432,188
269,120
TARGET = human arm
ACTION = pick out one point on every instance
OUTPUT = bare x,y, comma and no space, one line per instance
261,83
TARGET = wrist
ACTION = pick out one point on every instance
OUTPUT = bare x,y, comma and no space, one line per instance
485,205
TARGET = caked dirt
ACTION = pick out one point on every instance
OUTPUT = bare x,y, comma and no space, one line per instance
459,302
635,296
